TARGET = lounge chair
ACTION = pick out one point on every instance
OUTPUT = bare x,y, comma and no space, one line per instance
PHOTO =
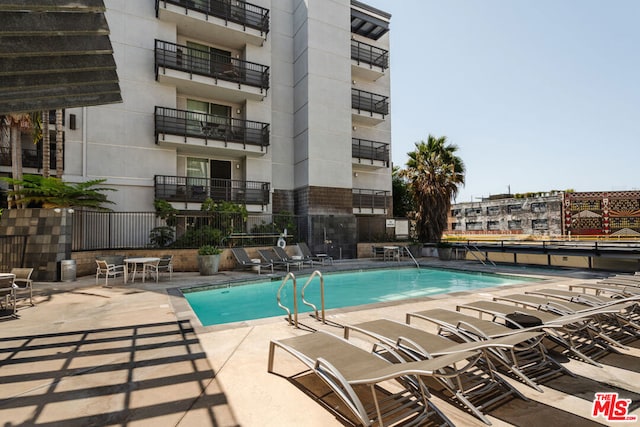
270,256
581,297
308,255
284,257
356,377
575,332
620,290
615,326
243,260
474,385
108,270
528,360
23,283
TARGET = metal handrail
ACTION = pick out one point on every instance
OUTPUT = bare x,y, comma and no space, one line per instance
473,254
406,249
295,299
315,309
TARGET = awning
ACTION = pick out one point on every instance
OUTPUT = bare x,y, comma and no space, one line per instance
55,54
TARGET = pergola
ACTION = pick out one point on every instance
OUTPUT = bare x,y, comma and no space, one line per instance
55,54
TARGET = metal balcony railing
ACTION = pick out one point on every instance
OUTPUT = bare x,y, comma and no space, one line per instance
372,55
207,126
370,199
237,11
370,150
202,62
367,101
196,190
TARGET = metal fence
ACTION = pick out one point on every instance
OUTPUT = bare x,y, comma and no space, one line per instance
133,230
12,250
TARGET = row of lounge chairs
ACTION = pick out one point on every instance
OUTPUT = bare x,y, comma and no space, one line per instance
465,361
277,257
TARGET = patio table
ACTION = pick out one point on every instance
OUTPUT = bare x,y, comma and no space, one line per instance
143,261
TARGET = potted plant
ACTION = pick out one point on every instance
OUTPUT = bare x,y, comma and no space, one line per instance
208,259
444,250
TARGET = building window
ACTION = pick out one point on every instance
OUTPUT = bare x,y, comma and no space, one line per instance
539,207
515,225
472,211
514,208
493,225
540,224
475,226
455,212
455,226
493,210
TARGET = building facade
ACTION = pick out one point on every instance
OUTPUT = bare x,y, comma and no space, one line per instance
281,105
539,214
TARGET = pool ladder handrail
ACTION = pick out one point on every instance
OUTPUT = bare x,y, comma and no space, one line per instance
289,275
315,309
406,249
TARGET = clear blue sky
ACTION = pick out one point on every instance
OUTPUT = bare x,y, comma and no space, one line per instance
537,94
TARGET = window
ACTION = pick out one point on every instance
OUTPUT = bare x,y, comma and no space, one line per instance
515,225
493,210
456,212
539,207
514,208
474,226
472,211
455,226
493,225
539,224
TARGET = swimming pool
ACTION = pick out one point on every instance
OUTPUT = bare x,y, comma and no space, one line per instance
232,303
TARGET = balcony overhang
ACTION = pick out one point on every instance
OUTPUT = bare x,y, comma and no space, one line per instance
198,25
209,87
204,146
364,71
362,163
367,118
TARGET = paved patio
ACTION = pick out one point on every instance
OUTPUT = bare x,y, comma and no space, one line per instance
136,355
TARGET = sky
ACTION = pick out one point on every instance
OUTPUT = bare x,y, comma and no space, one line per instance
538,95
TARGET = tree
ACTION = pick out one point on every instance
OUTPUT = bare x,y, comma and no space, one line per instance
434,173
13,124
403,203
46,152
59,146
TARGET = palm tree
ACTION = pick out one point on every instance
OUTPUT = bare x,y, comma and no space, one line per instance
59,156
435,173
14,123
46,152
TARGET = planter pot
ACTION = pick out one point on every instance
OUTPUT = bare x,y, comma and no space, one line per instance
208,264
444,254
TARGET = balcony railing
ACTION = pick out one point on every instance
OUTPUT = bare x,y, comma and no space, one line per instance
370,200
367,101
196,190
372,55
207,126
238,11
371,150
204,63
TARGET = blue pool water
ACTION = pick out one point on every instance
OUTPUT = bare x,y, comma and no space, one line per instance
258,300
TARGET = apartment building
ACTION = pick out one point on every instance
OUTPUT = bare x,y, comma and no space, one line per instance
282,105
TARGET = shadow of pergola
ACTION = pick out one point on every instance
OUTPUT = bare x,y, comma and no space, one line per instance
112,376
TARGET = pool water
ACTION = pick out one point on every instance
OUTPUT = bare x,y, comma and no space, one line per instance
258,300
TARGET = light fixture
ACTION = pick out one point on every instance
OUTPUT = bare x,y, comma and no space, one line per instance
238,111
354,128
57,210
237,165
355,174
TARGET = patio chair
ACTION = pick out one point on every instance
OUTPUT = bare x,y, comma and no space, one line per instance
23,283
476,385
528,360
355,380
108,270
308,255
270,257
8,294
575,332
164,265
243,260
283,256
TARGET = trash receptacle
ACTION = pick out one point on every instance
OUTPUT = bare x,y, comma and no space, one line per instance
67,270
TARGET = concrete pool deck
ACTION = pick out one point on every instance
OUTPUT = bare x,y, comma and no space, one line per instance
136,355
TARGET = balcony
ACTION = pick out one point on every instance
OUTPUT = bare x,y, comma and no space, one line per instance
368,108
235,24
182,189
368,62
371,201
200,73
370,153
218,133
